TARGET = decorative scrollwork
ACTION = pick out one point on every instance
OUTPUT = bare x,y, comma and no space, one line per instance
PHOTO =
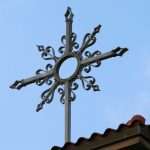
47,53
88,54
89,82
87,69
63,39
72,93
89,39
62,48
73,88
48,67
47,80
62,93
75,45
47,97
72,96
50,75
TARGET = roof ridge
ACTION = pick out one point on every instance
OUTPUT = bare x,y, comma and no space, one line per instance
135,120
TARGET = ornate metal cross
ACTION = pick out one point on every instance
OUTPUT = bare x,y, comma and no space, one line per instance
66,86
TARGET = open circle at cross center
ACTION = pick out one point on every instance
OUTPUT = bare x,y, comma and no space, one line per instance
68,68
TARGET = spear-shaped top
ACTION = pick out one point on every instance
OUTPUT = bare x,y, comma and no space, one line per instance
69,15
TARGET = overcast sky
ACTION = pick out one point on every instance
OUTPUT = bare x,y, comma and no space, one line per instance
124,82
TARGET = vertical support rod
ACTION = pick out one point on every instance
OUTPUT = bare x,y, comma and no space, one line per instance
67,112
68,48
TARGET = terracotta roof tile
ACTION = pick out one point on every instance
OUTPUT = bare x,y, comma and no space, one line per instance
136,120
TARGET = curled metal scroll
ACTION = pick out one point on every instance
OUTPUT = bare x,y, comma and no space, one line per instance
72,93
89,39
47,80
63,41
89,82
73,88
62,93
88,54
47,53
47,97
75,45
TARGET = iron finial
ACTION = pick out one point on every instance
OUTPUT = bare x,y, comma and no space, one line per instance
69,15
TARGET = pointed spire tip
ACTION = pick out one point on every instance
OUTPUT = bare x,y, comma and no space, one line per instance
69,15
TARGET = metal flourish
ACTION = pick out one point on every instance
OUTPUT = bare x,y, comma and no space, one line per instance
73,96
61,49
48,67
40,82
88,54
87,69
89,82
62,93
47,53
98,63
47,80
89,39
73,88
47,97
63,41
74,43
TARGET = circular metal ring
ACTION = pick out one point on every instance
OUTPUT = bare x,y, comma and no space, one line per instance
61,61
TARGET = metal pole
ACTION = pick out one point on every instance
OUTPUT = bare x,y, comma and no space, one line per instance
67,113
68,48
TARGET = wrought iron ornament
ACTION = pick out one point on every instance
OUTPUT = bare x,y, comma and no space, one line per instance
66,86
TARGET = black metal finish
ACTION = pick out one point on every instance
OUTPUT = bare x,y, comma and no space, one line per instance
69,49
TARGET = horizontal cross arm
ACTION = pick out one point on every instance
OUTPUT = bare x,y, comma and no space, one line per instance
113,53
18,84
